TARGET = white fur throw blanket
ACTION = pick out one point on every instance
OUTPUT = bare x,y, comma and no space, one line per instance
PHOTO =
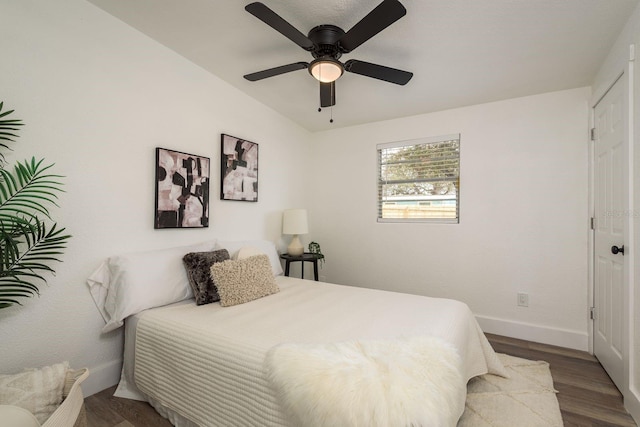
413,382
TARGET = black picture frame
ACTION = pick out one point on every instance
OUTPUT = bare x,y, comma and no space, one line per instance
182,190
238,169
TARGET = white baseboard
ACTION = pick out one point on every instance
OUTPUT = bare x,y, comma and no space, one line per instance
536,333
632,404
101,377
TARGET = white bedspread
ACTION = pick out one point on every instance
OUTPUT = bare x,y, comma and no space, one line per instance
206,362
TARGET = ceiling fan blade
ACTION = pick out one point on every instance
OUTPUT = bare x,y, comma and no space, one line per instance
380,72
276,71
385,14
327,94
276,22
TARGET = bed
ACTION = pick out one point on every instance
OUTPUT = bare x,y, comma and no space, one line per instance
209,365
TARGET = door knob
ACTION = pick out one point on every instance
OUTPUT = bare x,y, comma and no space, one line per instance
615,250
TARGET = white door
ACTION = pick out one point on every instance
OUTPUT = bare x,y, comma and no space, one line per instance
610,216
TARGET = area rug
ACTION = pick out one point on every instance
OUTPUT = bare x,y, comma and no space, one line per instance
525,399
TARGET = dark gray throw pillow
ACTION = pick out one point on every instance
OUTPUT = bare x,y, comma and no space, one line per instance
198,266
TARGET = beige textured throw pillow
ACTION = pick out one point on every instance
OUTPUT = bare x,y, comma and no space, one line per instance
244,280
39,391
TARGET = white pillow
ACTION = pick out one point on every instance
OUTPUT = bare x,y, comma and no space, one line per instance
265,246
127,284
39,391
247,252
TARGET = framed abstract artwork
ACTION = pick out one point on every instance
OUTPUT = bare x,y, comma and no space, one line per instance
239,169
182,190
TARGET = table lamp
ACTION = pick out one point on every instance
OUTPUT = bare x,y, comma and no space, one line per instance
294,221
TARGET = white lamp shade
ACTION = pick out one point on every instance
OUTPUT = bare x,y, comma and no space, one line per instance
294,221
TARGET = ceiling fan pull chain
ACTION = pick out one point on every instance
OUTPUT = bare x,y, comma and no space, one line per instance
331,112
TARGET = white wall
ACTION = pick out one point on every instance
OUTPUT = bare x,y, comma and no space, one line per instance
97,97
618,62
523,215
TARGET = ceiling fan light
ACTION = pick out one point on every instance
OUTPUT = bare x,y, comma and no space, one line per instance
326,70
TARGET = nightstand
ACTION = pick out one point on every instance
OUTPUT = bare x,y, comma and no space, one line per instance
305,257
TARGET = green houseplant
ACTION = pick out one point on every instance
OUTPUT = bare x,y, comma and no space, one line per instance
29,239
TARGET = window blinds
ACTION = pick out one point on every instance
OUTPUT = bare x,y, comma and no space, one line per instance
419,180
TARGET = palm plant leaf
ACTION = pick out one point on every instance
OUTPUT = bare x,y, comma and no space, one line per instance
27,244
27,191
26,257
8,127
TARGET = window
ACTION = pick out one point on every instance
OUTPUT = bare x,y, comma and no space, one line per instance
419,180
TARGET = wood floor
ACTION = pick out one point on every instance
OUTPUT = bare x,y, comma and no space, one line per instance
586,394
587,397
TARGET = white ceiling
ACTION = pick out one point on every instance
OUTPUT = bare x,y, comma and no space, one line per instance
462,52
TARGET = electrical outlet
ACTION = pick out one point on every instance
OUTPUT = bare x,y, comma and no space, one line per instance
523,299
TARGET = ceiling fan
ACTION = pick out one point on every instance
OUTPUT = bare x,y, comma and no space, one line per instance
328,42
